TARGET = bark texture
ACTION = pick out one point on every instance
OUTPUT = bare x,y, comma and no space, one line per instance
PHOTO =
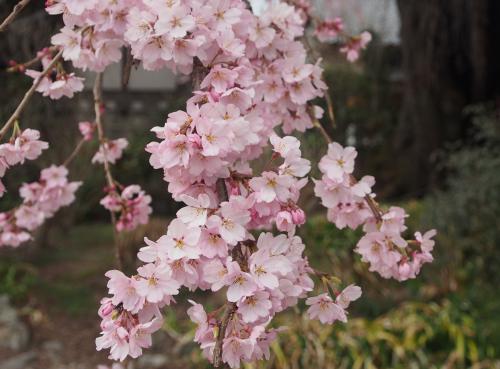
451,58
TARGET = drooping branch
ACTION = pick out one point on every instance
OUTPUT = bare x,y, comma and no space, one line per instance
100,130
28,95
15,12
21,67
75,152
97,90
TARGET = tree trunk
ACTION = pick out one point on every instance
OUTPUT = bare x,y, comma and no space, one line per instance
450,60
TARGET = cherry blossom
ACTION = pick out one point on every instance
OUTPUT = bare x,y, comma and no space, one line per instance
132,205
355,45
329,29
110,151
41,200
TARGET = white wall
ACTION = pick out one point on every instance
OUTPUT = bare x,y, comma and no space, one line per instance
381,16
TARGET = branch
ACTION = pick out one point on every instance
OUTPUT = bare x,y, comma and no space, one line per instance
222,190
21,67
75,152
97,90
28,95
228,314
15,11
100,131
127,63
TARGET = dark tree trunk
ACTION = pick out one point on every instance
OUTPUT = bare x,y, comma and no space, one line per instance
451,59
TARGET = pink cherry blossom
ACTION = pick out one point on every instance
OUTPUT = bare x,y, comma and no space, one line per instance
338,161
355,45
155,283
328,30
87,130
182,241
323,308
255,306
241,284
110,151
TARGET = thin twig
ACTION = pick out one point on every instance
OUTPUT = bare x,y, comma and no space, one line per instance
97,90
28,95
328,98
75,152
330,110
22,66
322,130
100,131
15,11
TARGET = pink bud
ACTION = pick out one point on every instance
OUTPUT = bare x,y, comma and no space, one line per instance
106,309
284,221
298,216
404,270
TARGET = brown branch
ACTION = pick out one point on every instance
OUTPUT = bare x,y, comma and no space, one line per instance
330,110
322,130
97,90
22,66
231,307
100,130
28,95
226,318
222,190
127,63
15,12
199,73
74,153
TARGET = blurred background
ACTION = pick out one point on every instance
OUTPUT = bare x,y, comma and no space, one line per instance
421,106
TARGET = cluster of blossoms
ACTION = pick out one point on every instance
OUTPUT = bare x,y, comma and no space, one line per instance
329,29
208,246
355,45
56,83
23,146
348,202
253,79
327,310
131,205
262,279
41,200
87,130
109,151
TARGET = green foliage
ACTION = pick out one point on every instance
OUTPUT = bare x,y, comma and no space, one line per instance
467,213
414,335
16,280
